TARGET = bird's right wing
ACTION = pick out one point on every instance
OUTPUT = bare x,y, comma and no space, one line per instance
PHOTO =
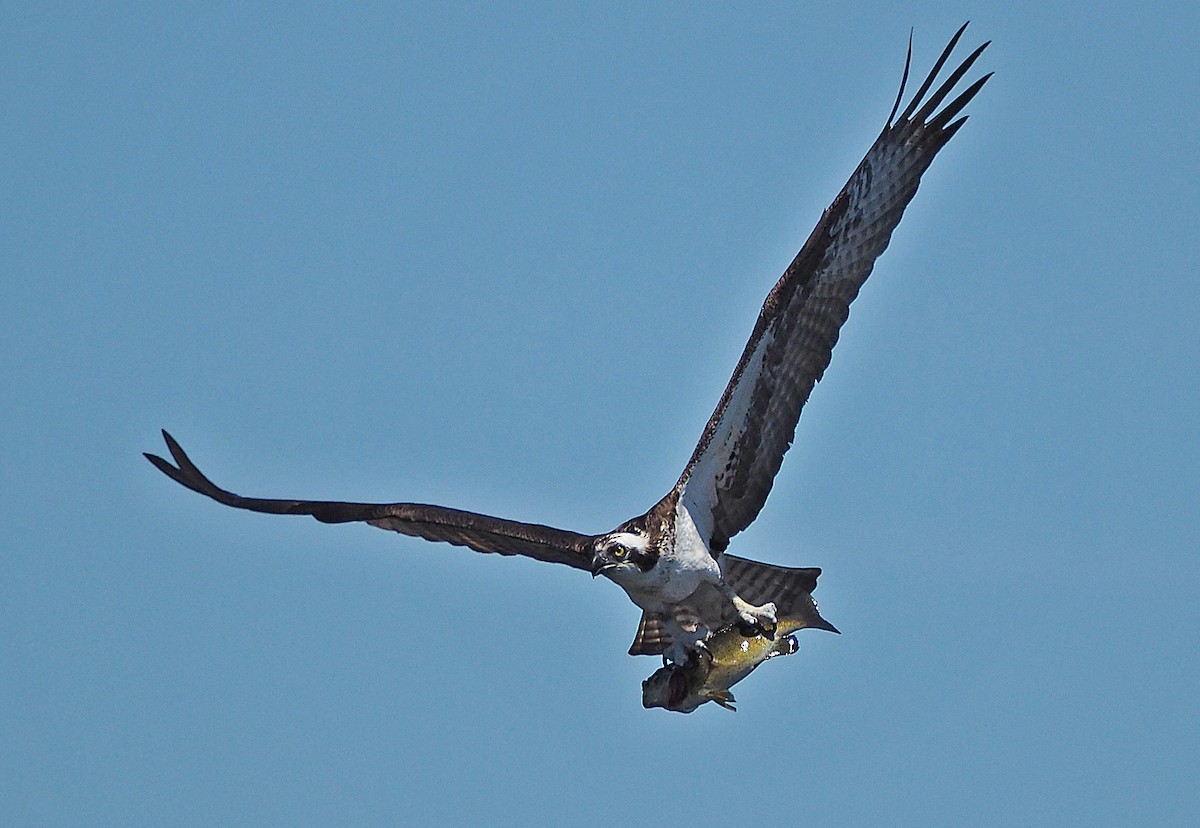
731,472
436,523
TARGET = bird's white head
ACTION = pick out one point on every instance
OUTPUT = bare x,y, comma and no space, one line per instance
621,552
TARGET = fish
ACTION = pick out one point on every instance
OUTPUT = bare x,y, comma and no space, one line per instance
727,656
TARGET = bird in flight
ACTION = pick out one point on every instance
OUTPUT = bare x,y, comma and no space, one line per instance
672,560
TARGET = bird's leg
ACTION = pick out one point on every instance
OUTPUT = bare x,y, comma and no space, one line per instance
687,635
676,654
762,617
683,654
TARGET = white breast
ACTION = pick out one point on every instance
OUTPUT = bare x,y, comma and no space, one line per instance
689,563
681,569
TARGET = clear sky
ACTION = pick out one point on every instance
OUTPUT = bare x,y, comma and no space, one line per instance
506,261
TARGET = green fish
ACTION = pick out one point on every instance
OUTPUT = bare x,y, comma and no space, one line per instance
728,656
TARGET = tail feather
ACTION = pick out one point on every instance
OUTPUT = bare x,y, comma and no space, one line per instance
790,589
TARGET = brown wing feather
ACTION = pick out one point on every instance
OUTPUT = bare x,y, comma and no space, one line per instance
436,523
734,465
790,588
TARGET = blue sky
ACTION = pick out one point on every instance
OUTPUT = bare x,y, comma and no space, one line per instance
506,261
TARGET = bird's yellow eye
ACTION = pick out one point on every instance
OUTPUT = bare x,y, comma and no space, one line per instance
619,552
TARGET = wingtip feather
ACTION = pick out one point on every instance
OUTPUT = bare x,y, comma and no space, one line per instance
939,122
159,463
933,73
903,79
935,100
176,450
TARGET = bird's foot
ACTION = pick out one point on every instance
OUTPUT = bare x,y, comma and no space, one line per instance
762,617
683,653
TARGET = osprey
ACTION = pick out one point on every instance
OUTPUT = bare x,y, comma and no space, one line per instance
671,560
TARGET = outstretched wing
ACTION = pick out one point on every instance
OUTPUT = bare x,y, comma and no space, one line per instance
435,523
733,467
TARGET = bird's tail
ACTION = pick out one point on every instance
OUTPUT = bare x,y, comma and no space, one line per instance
789,588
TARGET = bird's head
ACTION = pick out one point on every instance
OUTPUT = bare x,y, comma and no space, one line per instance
620,553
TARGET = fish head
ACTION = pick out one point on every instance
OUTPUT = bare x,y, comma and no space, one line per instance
669,687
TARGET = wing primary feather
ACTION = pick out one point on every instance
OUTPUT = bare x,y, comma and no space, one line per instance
903,80
954,107
936,99
482,533
937,67
730,473
949,131
188,475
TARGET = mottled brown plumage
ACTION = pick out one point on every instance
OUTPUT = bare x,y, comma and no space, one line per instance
671,559
742,447
790,589
436,523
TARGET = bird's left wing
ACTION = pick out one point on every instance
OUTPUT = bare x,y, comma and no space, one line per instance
436,523
733,467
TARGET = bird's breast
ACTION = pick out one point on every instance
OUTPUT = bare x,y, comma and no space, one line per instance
687,563
684,563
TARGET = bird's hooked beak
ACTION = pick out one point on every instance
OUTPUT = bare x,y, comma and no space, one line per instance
600,563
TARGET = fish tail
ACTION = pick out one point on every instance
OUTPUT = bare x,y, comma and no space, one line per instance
783,645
